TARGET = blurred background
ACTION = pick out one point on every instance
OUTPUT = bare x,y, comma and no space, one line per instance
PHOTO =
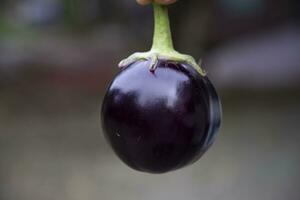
58,56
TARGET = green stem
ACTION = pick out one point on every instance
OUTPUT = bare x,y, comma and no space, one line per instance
162,39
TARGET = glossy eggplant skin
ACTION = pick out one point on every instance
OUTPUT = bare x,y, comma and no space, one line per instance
160,121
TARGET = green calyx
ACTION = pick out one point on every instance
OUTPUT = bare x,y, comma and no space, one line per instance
162,47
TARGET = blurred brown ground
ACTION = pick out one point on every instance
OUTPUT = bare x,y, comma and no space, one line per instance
52,147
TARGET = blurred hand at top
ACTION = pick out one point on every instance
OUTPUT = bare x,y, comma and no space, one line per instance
163,2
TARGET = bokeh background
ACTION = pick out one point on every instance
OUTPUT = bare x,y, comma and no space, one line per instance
58,56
